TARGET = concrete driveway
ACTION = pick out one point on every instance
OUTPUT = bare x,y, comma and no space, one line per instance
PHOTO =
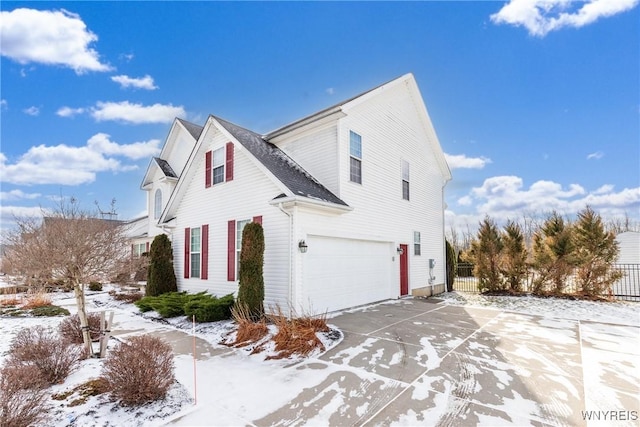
421,362
452,365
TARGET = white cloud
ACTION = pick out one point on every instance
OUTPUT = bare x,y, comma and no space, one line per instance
330,91
49,37
67,165
506,197
145,82
32,111
18,195
136,113
69,112
597,155
4,105
461,161
540,17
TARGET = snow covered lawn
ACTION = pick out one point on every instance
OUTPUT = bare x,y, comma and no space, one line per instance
467,360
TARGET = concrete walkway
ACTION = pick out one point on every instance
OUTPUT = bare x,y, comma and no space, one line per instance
418,362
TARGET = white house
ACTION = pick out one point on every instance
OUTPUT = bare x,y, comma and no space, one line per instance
350,199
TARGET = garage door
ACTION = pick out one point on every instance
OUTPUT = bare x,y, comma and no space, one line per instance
342,273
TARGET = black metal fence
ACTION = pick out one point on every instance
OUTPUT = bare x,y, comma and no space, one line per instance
627,288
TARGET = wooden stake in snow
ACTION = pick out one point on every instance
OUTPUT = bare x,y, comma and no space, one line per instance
105,332
195,388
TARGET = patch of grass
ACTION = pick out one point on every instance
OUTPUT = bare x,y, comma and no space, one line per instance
249,331
39,299
297,334
10,300
83,391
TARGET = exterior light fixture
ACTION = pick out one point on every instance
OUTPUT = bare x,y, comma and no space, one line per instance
399,250
302,245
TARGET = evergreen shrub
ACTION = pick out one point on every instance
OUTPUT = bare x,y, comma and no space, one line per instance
251,279
161,276
210,309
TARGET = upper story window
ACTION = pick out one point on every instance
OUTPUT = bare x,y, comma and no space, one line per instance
416,243
355,157
157,205
405,180
218,165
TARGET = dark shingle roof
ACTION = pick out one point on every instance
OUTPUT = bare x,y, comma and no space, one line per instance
193,129
283,167
166,168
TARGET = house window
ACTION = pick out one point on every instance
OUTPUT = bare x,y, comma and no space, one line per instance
239,227
416,243
139,249
157,205
195,246
218,165
405,180
355,158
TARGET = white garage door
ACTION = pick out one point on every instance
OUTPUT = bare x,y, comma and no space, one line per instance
342,273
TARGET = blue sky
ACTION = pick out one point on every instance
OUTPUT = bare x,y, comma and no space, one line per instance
536,103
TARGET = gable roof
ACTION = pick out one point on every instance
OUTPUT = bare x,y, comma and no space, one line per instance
193,129
165,167
283,167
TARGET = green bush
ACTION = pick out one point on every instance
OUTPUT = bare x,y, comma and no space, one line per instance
451,265
95,286
161,276
251,280
210,309
49,311
206,308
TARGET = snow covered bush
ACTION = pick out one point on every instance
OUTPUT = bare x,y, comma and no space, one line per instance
22,396
54,356
140,370
70,328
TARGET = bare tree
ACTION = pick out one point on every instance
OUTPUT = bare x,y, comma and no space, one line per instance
68,244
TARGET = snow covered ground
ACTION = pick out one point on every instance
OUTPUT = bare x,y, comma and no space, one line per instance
223,386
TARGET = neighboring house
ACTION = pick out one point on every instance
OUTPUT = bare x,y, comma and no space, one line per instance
350,199
629,244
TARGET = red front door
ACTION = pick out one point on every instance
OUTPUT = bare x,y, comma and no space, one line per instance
404,270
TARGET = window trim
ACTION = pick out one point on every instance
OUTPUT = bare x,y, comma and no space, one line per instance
220,166
193,252
417,243
157,203
406,194
355,158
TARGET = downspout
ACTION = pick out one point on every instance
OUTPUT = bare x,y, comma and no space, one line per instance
290,253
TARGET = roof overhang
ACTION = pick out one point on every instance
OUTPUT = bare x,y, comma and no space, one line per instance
288,202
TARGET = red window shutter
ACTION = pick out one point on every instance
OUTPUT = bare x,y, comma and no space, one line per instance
147,247
187,252
207,169
204,273
229,166
133,250
258,219
231,251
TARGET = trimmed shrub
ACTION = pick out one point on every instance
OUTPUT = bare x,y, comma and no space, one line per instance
161,276
70,328
167,305
140,370
451,265
49,311
22,396
54,356
129,297
209,309
251,280
95,286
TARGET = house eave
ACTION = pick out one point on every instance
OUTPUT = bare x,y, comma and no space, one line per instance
321,205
